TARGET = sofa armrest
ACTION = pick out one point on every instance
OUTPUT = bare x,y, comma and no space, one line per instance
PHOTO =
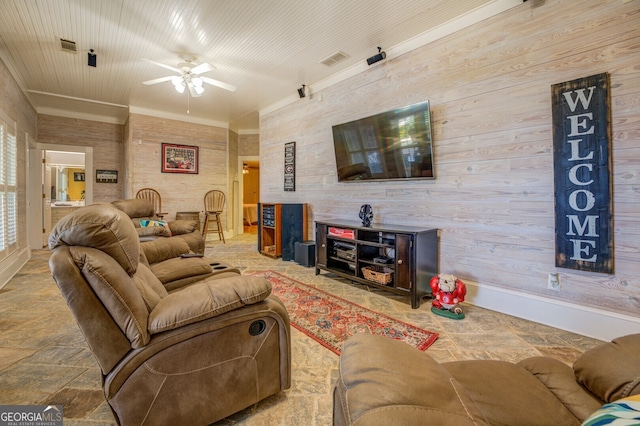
179,268
161,249
611,371
207,299
560,380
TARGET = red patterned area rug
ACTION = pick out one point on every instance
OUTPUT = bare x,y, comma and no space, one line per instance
330,320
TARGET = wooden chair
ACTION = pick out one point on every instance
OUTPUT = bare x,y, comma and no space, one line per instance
213,206
155,198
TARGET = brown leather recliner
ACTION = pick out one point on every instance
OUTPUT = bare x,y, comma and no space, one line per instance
192,356
384,381
140,209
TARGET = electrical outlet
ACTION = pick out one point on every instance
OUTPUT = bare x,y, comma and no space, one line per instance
553,282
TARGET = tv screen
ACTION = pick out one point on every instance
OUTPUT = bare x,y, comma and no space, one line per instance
392,145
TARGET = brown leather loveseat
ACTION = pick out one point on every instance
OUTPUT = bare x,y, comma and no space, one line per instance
387,382
191,356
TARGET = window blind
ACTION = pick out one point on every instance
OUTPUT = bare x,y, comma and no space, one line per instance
8,189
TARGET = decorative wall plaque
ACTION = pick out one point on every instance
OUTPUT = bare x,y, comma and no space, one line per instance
290,166
582,164
106,176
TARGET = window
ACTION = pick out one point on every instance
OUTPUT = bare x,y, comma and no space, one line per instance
8,189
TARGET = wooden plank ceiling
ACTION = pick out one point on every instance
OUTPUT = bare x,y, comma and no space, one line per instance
267,49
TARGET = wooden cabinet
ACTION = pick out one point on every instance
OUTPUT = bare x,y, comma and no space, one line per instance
280,226
400,259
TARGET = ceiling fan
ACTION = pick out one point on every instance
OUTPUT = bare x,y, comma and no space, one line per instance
190,77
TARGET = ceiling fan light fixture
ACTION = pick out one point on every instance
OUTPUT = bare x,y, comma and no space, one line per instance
189,78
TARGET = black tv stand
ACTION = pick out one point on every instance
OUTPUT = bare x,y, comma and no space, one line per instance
399,259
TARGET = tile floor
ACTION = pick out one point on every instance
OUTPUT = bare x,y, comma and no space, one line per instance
44,359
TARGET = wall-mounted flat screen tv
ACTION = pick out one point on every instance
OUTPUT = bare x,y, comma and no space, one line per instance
392,145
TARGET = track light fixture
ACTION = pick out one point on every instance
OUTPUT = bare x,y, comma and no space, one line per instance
377,58
302,91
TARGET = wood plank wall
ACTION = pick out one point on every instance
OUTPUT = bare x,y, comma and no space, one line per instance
490,91
106,139
180,192
249,145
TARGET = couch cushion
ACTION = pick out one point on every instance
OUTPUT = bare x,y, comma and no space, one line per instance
164,230
102,227
150,287
179,227
117,292
150,232
612,370
508,394
207,299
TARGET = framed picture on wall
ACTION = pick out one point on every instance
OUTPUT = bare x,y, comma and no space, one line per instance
290,166
106,176
179,158
78,176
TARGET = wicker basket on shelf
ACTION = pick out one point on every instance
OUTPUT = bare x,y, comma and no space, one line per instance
379,274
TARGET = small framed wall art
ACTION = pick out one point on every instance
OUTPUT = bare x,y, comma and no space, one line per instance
179,158
78,176
290,166
106,176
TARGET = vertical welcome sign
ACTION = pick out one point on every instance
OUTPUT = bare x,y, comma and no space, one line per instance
581,154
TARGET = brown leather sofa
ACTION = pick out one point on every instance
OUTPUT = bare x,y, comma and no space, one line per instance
189,357
140,209
384,382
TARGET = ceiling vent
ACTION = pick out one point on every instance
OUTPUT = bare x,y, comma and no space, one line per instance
68,45
334,59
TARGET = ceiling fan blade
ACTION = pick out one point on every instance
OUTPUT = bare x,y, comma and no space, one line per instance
219,84
163,65
202,68
193,92
157,80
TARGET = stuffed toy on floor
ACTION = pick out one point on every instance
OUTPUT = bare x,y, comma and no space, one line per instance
448,291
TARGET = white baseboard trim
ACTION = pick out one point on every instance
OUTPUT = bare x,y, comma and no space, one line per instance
584,320
11,265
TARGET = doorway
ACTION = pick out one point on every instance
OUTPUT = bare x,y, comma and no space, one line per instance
64,173
249,194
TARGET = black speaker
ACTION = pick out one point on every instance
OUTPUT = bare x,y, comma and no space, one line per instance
305,253
376,58
92,59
